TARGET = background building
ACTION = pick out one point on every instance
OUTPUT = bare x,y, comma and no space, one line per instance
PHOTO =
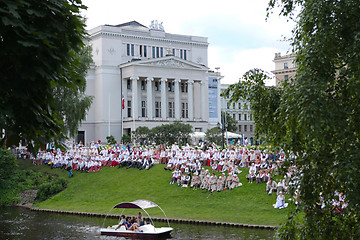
285,67
241,112
160,78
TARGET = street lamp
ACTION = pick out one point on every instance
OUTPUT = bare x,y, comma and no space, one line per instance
222,131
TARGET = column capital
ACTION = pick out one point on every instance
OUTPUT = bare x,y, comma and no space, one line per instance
177,80
134,78
190,81
163,79
150,79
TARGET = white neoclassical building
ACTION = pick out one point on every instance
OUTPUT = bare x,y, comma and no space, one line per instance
161,77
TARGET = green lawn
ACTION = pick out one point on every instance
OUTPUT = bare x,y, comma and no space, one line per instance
98,192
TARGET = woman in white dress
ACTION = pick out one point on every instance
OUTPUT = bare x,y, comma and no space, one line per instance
280,201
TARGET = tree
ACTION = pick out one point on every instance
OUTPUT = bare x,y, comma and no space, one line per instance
214,135
72,104
39,42
170,133
141,134
231,122
316,115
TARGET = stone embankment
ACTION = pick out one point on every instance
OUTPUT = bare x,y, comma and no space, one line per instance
184,221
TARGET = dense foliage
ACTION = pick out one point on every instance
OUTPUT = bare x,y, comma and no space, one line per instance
214,135
7,171
14,180
39,43
48,189
166,133
316,115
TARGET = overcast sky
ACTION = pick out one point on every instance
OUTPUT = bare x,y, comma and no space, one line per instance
239,36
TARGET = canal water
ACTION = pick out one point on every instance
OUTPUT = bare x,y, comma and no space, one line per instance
21,223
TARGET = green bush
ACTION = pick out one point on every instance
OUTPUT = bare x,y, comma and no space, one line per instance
47,190
111,140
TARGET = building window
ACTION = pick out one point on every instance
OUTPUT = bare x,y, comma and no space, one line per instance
143,108
233,106
157,52
171,110
245,117
184,87
153,52
286,77
184,110
251,128
129,108
198,129
161,52
240,117
251,117
181,53
245,128
239,105
142,51
239,128
185,54
130,49
170,86
228,105
173,51
286,66
128,84
157,109
143,85
234,117
156,86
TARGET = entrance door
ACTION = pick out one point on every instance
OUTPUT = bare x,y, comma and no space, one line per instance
81,137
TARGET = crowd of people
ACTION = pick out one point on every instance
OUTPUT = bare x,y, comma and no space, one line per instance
200,167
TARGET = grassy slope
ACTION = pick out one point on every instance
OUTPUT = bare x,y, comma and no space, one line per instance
98,192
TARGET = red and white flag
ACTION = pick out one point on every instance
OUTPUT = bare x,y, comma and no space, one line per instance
123,102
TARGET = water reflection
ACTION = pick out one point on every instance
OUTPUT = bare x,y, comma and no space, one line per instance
20,223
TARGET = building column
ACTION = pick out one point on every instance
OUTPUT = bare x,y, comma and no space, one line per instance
203,100
163,98
150,101
135,104
177,99
191,99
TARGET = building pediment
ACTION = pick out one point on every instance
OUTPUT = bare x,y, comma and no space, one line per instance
168,62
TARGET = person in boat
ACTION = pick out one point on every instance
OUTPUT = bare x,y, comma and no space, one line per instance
129,226
122,221
140,220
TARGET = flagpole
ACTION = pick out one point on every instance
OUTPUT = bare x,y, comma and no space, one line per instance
122,120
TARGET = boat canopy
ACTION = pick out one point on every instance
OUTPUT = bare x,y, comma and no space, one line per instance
142,204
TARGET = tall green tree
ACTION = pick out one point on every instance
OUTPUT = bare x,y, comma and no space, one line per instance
39,42
72,104
316,115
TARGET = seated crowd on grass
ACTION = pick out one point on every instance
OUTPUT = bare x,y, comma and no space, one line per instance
198,167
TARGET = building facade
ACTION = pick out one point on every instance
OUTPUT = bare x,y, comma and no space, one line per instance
143,76
241,112
285,67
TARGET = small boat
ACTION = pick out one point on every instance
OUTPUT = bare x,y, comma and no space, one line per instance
147,230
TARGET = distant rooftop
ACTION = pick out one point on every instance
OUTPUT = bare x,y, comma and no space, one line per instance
128,24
